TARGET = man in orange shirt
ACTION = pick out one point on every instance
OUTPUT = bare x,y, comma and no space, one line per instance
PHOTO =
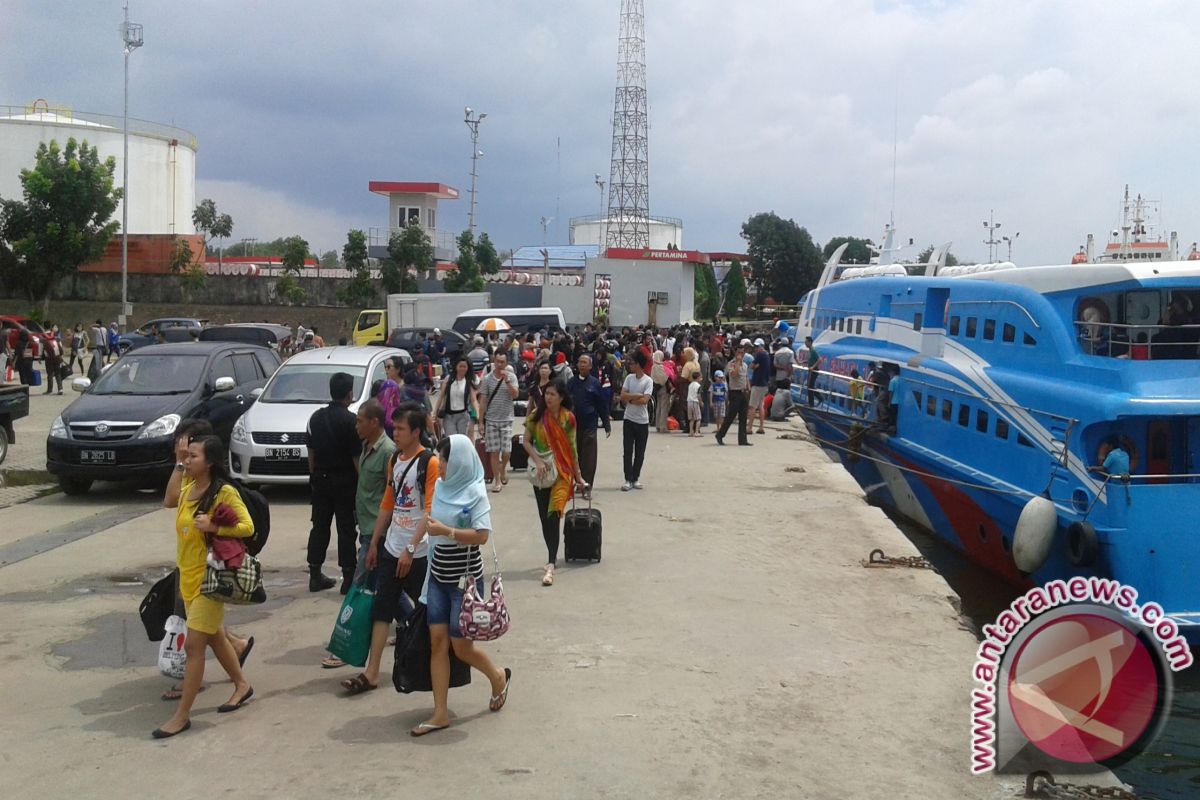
399,550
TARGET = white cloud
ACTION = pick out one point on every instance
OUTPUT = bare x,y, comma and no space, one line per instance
268,214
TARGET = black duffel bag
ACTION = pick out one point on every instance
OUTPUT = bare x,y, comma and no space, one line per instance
410,673
159,604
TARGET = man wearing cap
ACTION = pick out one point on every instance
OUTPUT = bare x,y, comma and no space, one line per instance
760,380
735,373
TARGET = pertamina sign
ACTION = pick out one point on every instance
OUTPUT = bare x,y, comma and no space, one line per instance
633,254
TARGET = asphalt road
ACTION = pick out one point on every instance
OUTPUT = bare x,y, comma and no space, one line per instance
728,645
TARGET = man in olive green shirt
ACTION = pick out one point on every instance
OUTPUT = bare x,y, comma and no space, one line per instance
373,479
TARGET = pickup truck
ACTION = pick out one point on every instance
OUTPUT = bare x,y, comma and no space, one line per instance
14,404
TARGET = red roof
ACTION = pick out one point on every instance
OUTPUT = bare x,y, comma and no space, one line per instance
439,190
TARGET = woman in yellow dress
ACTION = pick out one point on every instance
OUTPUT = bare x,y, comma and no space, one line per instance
199,484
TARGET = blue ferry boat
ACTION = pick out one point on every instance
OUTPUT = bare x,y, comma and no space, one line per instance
1012,384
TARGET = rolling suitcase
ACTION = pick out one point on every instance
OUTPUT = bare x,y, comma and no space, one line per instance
582,533
481,448
519,458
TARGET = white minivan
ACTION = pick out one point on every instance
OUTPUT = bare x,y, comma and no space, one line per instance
269,443
521,320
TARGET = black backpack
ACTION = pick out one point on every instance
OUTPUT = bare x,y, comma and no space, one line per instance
260,511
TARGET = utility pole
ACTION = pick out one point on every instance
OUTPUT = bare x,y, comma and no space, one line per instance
131,34
601,220
472,120
1009,240
992,226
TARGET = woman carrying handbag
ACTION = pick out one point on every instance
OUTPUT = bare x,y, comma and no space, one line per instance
459,521
457,399
199,484
554,456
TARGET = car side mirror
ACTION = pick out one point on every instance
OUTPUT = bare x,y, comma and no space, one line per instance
81,384
256,393
225,383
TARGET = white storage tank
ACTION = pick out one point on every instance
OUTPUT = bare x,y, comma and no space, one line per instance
593,229
162,160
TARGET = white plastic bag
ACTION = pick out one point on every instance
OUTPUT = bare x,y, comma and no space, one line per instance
171,658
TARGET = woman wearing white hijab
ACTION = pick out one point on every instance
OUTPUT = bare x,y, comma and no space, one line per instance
460,521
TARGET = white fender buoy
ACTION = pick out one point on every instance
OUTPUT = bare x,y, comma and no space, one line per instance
1034,534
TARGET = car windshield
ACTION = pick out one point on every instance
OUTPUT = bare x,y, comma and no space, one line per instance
151,374
309,383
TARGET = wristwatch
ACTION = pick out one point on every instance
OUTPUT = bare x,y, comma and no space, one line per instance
179,466
411,548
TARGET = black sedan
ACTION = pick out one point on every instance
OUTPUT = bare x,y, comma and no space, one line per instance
123,425
409,338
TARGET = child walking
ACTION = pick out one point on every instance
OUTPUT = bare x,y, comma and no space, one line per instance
693,405
717,393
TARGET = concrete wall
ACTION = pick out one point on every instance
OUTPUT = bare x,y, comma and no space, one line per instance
575,302
632,280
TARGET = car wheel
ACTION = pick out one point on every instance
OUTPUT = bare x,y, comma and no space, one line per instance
74,486
3,444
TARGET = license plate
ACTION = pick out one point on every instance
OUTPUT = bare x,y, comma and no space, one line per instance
283,453
98,457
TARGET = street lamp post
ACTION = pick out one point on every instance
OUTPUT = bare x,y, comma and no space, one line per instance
992,226
600,222
472,120
1009,241
131,33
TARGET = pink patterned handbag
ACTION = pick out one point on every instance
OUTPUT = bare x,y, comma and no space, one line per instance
484,620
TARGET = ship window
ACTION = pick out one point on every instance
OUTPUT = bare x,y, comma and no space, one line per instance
1010,333
954,325
917,397
972,325
947,408
981,421
989,329
1029,340
858,326
1001,429
917,321
964,415
1021,440
930,405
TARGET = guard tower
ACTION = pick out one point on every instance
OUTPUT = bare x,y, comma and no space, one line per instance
413,203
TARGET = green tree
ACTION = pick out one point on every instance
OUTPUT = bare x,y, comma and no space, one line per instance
409,251
486,256
329,259
211,224
466,276
185,264
924,255
295,251
707,295
361,290
63,221
735,289
784,261
859,251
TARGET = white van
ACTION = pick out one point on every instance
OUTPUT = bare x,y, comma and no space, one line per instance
521,320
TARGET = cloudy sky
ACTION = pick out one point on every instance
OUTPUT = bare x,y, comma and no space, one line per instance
1040,109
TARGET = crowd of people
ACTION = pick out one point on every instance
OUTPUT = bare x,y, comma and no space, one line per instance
406,480
59,351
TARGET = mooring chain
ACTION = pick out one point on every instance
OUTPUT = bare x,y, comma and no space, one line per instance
877,558
1042,784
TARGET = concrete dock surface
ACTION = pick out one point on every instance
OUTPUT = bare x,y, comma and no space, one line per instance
729,645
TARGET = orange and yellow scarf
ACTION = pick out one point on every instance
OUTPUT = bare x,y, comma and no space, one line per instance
564,461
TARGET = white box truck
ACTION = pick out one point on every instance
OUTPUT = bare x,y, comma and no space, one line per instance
416,311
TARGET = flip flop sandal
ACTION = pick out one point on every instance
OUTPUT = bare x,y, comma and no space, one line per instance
426,728
358,684
332,662
246,653
499,700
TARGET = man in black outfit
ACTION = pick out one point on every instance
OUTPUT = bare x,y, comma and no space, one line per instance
333,449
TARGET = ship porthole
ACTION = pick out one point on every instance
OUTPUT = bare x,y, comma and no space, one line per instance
1082,547
1079,501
